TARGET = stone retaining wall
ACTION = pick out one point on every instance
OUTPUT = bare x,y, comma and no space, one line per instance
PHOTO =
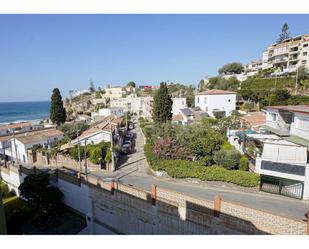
128,210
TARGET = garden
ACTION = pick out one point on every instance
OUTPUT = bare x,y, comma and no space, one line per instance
39,210
198,151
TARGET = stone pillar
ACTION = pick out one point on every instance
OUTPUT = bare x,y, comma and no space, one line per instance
112,186
20,169
217,206
153,194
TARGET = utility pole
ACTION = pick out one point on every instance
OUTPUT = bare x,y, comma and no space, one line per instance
85,157
15,146
78,150
296,81
112,152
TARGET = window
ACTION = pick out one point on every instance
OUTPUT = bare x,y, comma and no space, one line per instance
303,62
198,99
305,53
229,100
205,100
305,45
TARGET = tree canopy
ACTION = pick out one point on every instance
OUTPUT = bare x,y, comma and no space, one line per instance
57,111
91,87
131,84
162,107
234,67
37,191
285,34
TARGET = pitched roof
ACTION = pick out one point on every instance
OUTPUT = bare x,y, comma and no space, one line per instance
103,125
27,137
215,92
21,134
254,118
177,117
292,108
187,112
15,125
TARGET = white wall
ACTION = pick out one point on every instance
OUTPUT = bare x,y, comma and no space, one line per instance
178,103
300,126
95,139
224,102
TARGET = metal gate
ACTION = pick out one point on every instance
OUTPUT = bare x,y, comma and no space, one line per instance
282,186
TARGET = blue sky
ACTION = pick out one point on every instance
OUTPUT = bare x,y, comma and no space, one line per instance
40,52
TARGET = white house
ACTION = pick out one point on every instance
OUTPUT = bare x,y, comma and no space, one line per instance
283,158
114,92
178,103
100,132
104,112
84,118
188,115
27,141
282,165
214,100
18,127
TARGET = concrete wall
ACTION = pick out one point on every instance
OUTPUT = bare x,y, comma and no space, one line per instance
222,102
300,126
118,209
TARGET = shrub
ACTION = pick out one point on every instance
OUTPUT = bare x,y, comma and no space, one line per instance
243,163
4,189
108,157
95,154
189,169
227,146
229,159
168,148
74,152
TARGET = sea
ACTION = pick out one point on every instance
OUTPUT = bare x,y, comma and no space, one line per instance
12,112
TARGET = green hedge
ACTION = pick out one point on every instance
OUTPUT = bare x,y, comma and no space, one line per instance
188,169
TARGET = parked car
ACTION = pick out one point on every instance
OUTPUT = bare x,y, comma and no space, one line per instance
130,134
131,125
126,148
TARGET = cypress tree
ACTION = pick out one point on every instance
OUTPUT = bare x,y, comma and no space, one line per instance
162,106
57,112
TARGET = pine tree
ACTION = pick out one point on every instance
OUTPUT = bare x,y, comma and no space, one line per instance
91,87
57,112
162,106
285,34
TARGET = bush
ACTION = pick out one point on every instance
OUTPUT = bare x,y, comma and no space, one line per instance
189,169
4,189
229,159
168,148
74,152
95,155
243,163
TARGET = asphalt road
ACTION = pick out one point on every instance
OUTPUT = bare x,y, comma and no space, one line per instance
134,171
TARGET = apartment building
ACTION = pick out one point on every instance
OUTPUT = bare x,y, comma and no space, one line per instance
287,55
215,100
136,105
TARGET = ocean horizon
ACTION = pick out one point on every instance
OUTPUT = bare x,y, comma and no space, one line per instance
12,112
